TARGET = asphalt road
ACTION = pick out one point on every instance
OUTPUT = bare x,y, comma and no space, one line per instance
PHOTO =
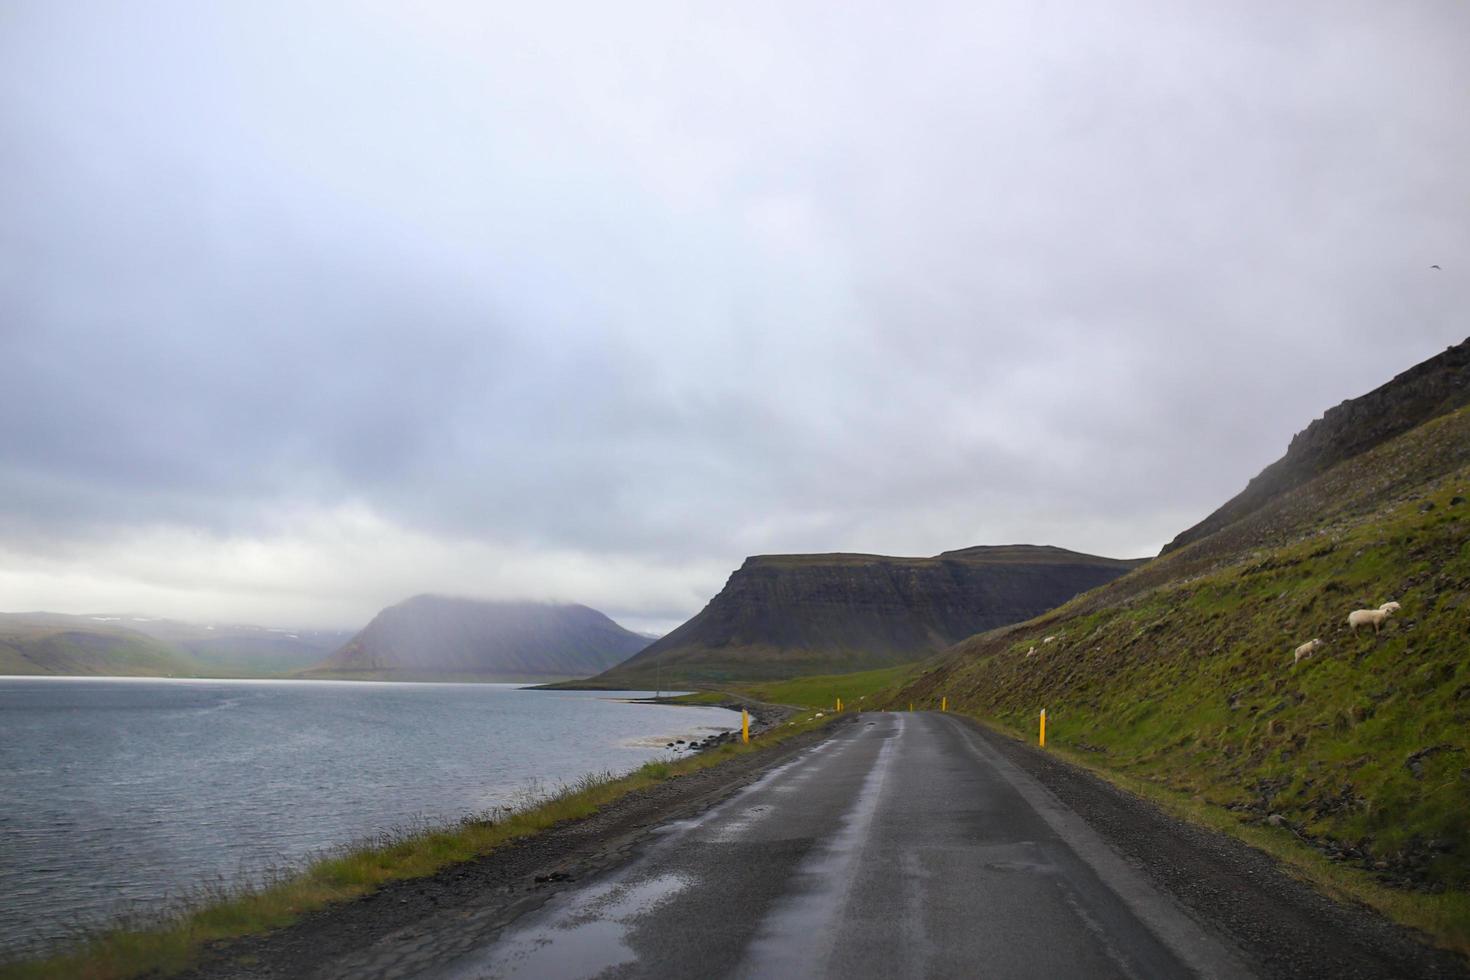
906,845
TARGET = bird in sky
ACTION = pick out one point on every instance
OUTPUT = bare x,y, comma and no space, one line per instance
1436,267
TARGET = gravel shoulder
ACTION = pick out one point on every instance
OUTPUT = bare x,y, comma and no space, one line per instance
461,906
1284,925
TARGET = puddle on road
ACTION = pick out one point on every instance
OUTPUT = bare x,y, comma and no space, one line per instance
583,940
1017,857
737,826
584,933
801,768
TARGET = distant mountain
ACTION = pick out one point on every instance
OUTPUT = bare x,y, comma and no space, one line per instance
47,643
789,615
1425,391
126,645
234,648
436,637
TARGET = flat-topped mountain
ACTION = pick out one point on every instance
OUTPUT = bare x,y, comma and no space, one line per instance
788,615
1425,391
437,637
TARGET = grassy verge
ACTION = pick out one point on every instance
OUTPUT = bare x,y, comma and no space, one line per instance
701,697
823,690
1444,917
819,692
172,942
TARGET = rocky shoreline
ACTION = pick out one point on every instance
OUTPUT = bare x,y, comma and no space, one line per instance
763,717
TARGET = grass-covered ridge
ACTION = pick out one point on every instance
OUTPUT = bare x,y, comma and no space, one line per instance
821,691
858,690
29,648
1181,675
173,942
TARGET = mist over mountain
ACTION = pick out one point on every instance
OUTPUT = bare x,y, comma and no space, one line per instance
130,645
440,637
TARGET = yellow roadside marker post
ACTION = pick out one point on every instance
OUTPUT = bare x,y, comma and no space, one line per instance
911,706
839,704
744,725
1043,728
944,703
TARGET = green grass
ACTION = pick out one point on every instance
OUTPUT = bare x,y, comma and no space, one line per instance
1187,687
822,691
818,692
701,697
173,942
41,650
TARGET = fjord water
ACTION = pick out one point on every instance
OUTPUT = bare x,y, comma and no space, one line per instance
118,795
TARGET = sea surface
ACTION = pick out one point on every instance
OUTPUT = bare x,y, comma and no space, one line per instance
118,796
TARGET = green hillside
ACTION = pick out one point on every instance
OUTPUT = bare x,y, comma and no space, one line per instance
57,643
1181,674
36,648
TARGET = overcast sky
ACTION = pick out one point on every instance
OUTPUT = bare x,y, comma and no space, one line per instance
306,308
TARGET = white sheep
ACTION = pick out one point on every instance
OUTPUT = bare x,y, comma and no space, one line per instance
1048,639
1031,652
1306,650
1369,617
1390,607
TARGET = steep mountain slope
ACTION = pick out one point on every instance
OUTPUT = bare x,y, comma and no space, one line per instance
1425,391
1182,673
788,615
437,637
38,643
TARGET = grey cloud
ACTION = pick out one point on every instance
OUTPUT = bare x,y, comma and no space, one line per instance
684,286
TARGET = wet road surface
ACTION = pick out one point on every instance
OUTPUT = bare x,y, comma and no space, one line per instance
903,846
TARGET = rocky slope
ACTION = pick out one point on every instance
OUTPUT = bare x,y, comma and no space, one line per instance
789,615
1182,673
436,637
1425,391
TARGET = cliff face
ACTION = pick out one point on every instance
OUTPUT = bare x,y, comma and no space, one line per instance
1425,391
437,636
788,615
